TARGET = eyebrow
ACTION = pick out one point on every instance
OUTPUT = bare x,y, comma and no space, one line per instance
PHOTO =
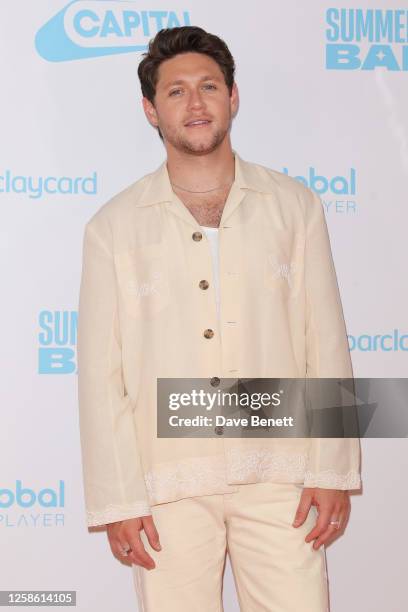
207,77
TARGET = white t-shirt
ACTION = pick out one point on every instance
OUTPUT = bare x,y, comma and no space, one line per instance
212,234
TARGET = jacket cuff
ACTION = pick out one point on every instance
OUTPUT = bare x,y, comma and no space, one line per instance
113,513
329,479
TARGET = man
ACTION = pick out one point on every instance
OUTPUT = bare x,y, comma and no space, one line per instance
160,297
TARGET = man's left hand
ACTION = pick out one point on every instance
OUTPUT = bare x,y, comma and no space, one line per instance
332,505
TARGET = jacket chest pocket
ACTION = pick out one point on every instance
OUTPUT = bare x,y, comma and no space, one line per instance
143,281
282,268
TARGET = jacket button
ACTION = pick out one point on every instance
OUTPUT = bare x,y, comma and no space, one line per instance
197,236
203,284
219,430
215,381
208,333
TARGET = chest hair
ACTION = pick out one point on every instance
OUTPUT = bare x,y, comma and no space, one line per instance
205,208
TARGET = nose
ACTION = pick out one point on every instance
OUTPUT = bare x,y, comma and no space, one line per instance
195,100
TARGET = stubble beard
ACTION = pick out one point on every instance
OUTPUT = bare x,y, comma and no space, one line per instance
197,147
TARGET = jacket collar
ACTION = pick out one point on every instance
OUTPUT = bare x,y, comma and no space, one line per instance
247,176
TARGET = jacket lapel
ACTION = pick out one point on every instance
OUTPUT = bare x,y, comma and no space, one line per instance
247,177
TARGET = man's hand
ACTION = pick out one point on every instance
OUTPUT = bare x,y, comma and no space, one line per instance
332,505
126,534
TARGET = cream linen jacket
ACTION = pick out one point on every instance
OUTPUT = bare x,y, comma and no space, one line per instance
142,315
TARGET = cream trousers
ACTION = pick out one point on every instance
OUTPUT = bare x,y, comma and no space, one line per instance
274,569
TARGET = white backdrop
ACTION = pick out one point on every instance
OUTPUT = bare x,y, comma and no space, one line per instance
71,109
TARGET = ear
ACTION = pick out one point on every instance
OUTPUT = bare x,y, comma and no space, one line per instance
234,99
150,112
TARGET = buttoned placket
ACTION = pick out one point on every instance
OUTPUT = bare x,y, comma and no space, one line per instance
225,337
230,270
221,340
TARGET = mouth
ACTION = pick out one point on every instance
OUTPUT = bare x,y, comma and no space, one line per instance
198,123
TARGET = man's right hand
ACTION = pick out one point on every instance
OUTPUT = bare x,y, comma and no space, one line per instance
125,534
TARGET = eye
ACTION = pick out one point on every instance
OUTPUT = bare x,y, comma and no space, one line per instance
175,91
210,86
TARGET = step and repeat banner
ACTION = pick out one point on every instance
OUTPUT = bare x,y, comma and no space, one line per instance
323,97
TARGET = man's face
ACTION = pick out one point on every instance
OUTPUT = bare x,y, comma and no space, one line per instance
193,108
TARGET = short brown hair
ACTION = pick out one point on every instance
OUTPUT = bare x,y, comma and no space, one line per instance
169,42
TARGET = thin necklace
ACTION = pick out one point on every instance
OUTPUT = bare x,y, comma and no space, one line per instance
206,191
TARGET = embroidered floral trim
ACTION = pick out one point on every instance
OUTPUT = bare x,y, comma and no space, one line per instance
263,465
193,476
219,473
115,512
329,479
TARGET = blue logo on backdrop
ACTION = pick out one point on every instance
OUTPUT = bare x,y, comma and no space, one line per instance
366,39
344,186
20,497
57,338
36,187
379,342
94,28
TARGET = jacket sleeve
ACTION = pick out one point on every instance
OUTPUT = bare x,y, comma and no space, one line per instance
114,486
333,463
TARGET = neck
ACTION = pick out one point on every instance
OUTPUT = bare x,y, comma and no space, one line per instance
201,172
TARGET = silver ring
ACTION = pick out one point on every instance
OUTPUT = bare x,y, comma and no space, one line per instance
125,551
337,523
